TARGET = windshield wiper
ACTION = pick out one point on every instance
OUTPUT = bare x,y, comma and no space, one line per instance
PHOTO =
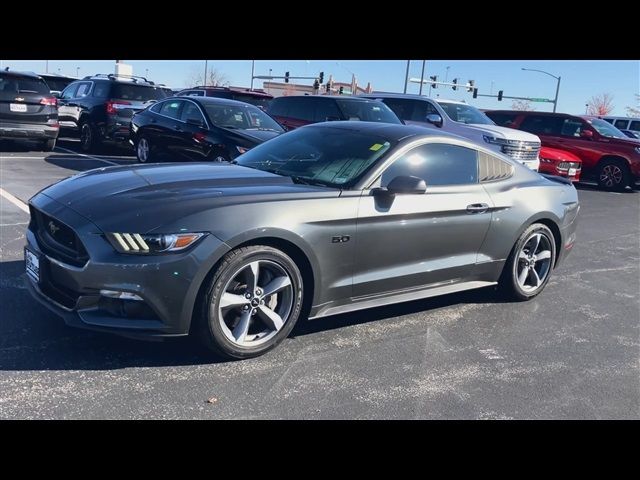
263,129
307,181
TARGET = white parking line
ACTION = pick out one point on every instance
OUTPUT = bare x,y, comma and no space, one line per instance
13,224
9,157
87,156
15,200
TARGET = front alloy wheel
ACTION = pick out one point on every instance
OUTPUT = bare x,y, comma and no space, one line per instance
613,175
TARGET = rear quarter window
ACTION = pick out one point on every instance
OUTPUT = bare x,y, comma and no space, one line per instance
15,84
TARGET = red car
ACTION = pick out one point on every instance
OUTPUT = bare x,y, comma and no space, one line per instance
559,162
606,153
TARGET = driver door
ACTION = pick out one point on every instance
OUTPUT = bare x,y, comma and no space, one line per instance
408,241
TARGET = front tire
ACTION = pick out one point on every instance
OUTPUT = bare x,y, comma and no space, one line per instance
144,152
252,302
614,174
529,265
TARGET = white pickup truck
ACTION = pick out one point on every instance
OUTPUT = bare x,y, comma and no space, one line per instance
466,121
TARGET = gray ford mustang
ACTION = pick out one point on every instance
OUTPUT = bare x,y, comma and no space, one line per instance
326,219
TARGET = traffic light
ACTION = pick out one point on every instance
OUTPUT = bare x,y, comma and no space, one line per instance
500,96
475,93
286,77
470,86
316,84
341,90
455,84
321,77
434,78
328,87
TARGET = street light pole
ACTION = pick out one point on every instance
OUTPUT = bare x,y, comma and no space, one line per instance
77,72
555,101
253,68
205,72
446,75
421,76
406,76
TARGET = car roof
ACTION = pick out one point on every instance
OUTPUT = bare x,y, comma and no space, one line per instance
247,91
359,98
412,96
392,131
529,112
57,75
15,73
216,101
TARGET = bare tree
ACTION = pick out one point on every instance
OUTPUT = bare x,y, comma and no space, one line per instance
215,78
600,104
634,111
523,105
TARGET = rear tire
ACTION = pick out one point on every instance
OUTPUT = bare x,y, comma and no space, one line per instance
251,303
528,268
89,137
48,145
613,174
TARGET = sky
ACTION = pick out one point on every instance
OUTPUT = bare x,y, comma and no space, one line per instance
580,80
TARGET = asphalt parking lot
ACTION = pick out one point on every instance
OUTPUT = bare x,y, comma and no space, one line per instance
572,352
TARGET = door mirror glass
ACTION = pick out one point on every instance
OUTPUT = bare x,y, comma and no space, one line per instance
406,184
434,119
586,133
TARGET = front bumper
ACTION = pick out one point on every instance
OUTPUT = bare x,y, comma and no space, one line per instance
167,285
26,131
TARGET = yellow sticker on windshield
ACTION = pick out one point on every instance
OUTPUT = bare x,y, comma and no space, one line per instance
376,146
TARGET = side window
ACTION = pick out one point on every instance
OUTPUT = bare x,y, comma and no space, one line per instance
191,111
101,89
635,126
502,119
436,164
326,109
194,93
492,169
421,109
83,89
70,91
621,124
571,127
156,107
301,109
171,109
279,107
610,120
402,107
542,124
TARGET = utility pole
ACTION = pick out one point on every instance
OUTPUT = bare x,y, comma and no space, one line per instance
77,72
205,72
46,66
555,101
406,76
446,75
253,69
422,76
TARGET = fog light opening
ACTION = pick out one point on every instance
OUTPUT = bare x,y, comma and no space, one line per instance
120,295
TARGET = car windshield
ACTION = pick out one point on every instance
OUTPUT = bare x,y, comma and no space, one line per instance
367,111
140,93
459,112
605,128
331,156
241,117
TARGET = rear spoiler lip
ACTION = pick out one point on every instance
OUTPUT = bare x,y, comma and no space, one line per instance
557,179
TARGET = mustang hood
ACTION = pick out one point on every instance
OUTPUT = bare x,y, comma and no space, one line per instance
144,197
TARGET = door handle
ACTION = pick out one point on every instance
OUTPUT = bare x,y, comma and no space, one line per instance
177,128
477,208
153,120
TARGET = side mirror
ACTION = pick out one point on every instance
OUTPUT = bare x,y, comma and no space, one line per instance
434,119
194,121
56,93
404,185
586,134
333,119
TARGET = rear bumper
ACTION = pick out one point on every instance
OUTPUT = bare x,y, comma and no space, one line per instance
28,131
117,130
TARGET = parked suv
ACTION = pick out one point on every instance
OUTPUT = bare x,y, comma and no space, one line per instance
465,120
624,123
258,98
100,107
605,151
298,110
57,83
28,111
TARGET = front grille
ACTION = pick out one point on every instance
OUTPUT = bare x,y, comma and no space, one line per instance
523,151
568,165
57,239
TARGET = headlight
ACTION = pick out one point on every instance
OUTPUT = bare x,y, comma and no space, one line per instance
150,243
495,140
637,149
242,149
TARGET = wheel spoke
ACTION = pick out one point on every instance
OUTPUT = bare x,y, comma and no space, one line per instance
543,255
229,300
522,256
252,272
240,332
523,276
271,318
536,278
276,285
536,242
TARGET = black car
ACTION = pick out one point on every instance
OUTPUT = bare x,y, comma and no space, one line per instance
327,219
200,128
100,107
57,83
259,98
298,110
28,110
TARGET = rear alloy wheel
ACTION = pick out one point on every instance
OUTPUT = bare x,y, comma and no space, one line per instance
48,145
143,150
253,302
613,175
88,137
529,266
